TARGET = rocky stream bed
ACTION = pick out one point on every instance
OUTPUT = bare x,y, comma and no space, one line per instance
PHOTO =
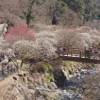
84,85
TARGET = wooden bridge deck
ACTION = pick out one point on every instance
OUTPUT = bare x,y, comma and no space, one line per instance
78,59
80,56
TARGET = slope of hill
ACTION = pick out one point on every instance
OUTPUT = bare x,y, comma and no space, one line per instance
42,11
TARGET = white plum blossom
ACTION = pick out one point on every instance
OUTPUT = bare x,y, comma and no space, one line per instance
50,36
23,48
44,49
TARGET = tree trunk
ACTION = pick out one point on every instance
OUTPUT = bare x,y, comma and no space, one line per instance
21,63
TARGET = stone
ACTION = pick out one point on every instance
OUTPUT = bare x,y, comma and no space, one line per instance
70,95
65,71
83,71
52,86
51,95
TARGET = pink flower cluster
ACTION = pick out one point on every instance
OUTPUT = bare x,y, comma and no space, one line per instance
19,33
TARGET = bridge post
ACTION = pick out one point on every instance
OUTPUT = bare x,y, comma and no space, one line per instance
71,53
80,55
67,52
94,57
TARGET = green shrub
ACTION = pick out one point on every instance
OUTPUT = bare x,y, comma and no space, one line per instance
48,72
68,63
47,67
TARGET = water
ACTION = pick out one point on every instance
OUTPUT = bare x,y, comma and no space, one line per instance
72,90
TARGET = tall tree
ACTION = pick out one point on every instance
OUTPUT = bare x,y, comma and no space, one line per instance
84,8
29,12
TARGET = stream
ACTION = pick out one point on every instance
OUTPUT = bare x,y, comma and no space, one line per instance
81,85
75,88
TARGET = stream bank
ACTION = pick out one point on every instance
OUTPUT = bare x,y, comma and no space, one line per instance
66,81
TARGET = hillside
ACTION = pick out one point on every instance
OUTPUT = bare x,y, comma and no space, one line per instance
60,12
49,50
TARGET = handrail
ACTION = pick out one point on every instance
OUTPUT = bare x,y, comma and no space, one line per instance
81,53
